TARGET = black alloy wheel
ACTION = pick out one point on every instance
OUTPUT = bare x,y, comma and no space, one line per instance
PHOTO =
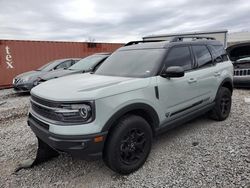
128,144
223,104
132,146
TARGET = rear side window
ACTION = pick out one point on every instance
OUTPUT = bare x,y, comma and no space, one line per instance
179,56
202,55
65,64
219,53
73,61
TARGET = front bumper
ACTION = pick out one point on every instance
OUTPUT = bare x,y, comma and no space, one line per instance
79,146
24,87
241,81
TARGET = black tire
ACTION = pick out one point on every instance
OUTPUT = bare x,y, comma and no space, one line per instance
223,104
128,144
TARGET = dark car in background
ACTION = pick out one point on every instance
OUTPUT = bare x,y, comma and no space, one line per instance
87,64
240,56
25,82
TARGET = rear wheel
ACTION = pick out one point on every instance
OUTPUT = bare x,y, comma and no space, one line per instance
128,144
222,106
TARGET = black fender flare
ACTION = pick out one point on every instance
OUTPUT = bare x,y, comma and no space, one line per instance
149,111
226,80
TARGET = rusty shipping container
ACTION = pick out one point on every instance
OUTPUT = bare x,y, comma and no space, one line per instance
18,56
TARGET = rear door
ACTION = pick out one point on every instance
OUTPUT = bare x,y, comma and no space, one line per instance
206,73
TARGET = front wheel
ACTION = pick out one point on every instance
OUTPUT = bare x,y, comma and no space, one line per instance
223,104
128,145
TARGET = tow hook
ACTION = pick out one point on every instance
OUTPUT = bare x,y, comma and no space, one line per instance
44,153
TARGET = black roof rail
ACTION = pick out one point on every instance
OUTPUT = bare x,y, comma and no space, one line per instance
180,38
173,39
141,41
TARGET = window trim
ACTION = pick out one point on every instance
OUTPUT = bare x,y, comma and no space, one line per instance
72,62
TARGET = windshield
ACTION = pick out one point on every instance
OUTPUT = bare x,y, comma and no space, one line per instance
132,63
88,63
49,66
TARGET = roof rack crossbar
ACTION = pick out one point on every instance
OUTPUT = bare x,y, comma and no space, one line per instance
180,38
142,41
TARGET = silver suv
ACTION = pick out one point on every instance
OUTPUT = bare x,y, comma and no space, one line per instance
141,90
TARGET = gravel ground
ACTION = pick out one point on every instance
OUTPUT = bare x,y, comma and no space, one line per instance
202,153
13,105
6,92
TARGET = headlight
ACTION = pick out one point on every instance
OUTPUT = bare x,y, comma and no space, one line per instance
76,113
85,111
37,81
25,79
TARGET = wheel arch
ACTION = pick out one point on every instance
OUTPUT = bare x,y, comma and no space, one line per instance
144,110
227,83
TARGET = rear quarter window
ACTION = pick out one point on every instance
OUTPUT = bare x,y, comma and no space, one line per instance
219,53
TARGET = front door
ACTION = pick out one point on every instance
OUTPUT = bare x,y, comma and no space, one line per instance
178,95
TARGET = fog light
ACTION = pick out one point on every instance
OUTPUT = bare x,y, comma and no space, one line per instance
98,139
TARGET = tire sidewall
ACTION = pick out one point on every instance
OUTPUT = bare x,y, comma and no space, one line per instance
223,91
123,127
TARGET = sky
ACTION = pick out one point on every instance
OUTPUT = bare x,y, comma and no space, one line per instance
117,20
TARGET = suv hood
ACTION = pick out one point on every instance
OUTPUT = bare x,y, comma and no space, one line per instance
58,73
80,87
239,51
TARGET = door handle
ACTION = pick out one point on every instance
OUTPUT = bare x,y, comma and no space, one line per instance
217,74
192,80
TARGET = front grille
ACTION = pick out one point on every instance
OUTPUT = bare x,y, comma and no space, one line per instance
17,80
45,108
45,102
242,72
45,112
40,123
51,111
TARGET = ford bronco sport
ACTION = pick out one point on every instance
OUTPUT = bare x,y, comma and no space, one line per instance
141,90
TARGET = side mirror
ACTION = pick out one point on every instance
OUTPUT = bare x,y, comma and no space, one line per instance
173,72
